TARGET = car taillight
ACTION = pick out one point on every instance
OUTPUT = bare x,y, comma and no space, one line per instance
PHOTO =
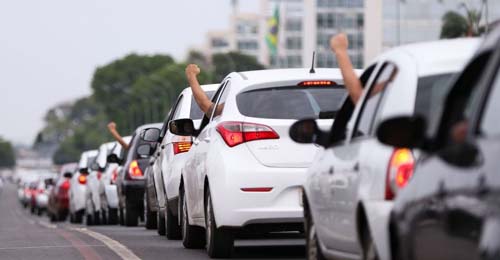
99,175
181,147
114,175
235,133
134,171
314,83
82,179
65,185
399,172
40,190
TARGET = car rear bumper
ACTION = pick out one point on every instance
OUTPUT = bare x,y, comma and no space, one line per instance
237,205
111,194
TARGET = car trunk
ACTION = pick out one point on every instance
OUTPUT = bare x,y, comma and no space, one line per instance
283,152
278,107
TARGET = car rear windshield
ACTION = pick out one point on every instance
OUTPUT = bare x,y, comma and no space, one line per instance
431,92
196,112
292,102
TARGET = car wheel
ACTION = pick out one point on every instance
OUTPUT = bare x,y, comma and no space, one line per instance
88,219
112,216
151,221
71,218
52,217
121,216
32,210
173,230
312,243
219,240
97,218
161,224
39,211
62,216
78,218
131,216
369,250
192,236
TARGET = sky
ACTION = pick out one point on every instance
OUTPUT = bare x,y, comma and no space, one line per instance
49,49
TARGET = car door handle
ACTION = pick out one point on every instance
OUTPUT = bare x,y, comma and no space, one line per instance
162,146
206,139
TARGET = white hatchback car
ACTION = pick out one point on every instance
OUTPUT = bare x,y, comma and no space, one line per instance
243,170
78,187
350,188
170,158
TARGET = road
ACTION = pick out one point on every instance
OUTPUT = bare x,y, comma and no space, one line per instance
25,236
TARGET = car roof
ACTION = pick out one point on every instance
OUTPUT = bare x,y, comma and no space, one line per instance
279,75
437,57
206,87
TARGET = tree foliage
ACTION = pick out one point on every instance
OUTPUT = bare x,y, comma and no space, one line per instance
454,25
225,63
7,155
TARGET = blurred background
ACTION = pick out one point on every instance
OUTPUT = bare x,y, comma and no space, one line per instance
69,67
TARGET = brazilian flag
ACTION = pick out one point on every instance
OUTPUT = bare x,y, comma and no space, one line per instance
272,35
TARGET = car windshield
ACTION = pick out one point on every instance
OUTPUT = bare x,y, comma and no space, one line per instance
196,112
292,102
431,92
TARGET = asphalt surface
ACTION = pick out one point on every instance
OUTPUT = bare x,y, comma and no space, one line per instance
26,236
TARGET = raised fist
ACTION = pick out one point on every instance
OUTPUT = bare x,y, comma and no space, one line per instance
112,126
339,43
192,70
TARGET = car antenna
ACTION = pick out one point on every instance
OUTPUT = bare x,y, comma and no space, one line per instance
312,65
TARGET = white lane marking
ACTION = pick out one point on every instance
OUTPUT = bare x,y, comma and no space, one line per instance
45,247
47,225
113,245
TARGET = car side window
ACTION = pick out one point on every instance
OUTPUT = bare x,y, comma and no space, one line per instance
219,106
371,103
177,109
206,119
338,131
489,126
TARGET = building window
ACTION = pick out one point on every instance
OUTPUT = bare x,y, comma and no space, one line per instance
294,43
248,45
219,43
293,25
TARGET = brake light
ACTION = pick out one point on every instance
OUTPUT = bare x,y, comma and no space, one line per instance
114,176
65,185
314,83
82,179
134,171
235,133
99,175
181,147
399,172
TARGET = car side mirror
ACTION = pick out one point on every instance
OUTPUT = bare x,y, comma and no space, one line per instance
150,135
183,127
403,132
84,170
113,158
144,150
68,175
306,131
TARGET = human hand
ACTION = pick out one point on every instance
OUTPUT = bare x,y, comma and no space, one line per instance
192,70
339,43
112,126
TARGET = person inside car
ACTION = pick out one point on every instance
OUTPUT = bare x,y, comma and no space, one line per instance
201,98
116,135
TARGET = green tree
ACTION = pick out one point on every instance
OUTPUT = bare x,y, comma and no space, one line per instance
112,83
226,63
454,25
7,155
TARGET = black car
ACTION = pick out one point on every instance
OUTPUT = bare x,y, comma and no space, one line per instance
131,178
451,207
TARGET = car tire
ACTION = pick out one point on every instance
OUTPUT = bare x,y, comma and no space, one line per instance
220,241
150,216
192,236
78,217
173,229
313,249
32,210
121,216
131,216
369,250
52,217
161,224
88,220
112,218
39,211
97,218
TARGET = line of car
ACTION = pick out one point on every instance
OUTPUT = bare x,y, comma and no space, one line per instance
406,172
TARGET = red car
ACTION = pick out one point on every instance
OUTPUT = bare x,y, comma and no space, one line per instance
58,205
